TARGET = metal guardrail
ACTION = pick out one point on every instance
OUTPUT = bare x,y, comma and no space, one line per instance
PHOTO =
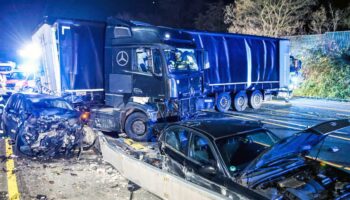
152,179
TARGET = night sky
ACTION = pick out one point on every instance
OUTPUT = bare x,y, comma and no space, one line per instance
18,18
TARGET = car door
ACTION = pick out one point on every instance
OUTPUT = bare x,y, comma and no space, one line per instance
11,118
202,166
175,147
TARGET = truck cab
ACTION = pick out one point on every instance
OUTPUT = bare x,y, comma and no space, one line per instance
152,74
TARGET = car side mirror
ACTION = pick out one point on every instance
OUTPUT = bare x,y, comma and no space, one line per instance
208,169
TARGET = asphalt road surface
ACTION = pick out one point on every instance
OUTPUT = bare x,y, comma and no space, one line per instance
91,178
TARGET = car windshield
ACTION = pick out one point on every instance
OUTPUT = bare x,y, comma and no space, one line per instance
51,103
181,60
16,76
239,150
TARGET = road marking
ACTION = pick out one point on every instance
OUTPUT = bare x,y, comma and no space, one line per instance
275,120
12,186
332,109
135,145
290,127
294,113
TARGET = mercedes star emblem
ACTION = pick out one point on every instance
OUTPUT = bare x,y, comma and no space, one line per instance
122,58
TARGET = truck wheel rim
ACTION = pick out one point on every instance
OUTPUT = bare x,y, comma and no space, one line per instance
223,102
138,127
240,101
257,99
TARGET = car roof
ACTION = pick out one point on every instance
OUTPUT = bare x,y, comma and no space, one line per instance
219,128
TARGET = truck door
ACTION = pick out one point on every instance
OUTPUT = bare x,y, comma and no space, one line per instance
148,75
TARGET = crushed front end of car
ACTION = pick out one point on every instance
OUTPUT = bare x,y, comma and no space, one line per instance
50,136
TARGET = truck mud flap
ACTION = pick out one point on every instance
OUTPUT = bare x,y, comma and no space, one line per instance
152,179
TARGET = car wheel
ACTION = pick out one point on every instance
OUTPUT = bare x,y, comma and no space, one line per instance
255,99
240,102
223,102
138,127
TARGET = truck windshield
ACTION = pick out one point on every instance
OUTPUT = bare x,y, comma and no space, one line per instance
181,60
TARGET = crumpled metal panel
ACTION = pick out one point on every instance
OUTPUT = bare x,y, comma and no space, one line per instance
239,61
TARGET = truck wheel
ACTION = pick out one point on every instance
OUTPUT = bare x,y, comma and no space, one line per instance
137,127
240,101
255,99
223,102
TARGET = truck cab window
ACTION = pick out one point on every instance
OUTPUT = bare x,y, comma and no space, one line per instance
181,60
157,59
144,60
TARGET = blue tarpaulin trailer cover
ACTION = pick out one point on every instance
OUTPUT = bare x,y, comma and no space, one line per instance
240,62
74,55
81,52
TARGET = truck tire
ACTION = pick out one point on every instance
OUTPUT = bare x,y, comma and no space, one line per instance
137,127
223,102
255,99
240,102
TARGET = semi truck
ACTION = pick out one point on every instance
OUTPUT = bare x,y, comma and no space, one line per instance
142,74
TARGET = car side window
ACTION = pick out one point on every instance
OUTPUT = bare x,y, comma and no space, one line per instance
200,151
178,139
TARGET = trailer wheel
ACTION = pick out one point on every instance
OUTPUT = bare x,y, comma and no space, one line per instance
255,99
137,127
223,102
240,101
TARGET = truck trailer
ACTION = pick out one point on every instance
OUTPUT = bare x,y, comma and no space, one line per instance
142,74
244,69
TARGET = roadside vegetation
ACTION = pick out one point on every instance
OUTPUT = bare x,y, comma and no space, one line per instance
326,75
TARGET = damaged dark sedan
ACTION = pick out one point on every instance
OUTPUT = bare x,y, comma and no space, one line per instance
231,156
42,125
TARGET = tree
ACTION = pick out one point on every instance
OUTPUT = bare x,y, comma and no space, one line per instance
212,19
336,16
319,22
180,13
267,17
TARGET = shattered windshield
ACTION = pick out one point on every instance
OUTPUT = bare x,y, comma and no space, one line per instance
181,60
239,150
51,103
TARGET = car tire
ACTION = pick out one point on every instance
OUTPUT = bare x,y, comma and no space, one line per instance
240,101
223,102
18,144
255,99
138,127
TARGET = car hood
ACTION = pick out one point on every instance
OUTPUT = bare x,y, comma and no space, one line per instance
57,112
301,142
